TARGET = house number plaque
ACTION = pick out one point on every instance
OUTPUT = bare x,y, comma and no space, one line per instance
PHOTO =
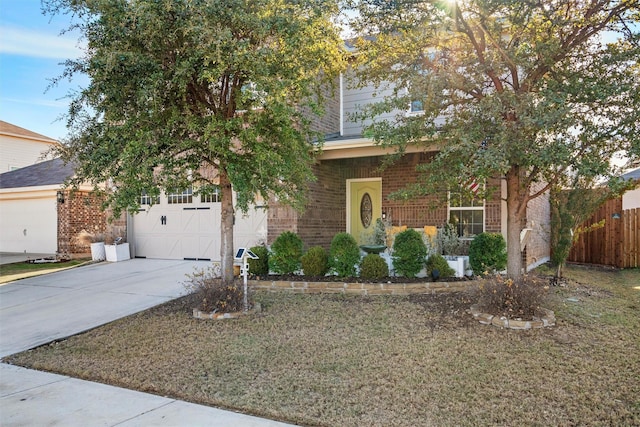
366,210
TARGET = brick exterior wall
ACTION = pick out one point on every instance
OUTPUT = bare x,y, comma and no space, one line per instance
537,250
326,211
82,210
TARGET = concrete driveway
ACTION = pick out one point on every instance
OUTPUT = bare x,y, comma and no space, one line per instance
37,310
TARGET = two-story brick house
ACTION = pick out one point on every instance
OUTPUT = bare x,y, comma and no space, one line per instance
350,186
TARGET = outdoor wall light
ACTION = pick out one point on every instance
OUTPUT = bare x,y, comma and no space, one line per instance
615,215
60,197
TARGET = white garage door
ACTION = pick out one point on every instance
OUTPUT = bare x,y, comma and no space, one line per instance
189,228
29,225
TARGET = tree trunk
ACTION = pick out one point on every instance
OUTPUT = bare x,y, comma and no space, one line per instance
516,218
226,231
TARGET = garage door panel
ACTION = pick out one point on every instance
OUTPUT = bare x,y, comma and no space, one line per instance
150,246
191,231
29,225
251,228
209,247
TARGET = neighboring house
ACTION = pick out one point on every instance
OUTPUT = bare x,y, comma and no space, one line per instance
29,207
20,147
351,192
631,199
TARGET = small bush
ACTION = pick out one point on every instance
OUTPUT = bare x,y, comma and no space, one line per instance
260,266
409,252
315,262
488,253
373,266
344,255
512,298
447,240
213,295
437,262
286,252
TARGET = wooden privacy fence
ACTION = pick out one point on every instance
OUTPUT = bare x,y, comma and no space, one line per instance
616,244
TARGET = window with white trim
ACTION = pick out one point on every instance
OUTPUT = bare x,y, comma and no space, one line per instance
177,196
212,195
147,200
416,107
466,214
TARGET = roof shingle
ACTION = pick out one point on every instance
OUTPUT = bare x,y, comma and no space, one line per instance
50,172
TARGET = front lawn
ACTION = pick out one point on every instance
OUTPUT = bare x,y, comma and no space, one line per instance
340,360
21,270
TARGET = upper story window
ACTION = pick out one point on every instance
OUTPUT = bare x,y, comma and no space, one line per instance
416,107
177,196
466,214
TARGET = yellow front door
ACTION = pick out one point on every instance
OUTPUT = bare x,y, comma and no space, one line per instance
365,207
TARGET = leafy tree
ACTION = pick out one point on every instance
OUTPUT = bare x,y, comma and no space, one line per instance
200,92
570,207
528,92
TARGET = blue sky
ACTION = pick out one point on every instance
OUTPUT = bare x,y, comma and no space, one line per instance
31,51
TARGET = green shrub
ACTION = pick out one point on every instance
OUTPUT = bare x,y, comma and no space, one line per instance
344,255
286,252
488,253
260,266
437,262
373,266
409,252
315,262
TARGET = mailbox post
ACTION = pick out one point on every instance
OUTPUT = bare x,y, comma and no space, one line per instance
242,258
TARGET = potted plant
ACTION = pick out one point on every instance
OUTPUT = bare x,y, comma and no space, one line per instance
118,251
453,249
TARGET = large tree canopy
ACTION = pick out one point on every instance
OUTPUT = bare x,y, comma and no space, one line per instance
200,92
532,92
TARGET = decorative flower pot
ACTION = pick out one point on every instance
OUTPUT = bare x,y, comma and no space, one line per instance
459,263
98,251
117,253
373,249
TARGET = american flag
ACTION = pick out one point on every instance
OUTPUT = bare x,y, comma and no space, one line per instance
473,185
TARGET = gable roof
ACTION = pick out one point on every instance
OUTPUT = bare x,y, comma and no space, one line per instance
632,175
50,172
9,129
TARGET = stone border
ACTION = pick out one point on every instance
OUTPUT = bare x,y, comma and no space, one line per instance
219,316
305,287
216,316
545,318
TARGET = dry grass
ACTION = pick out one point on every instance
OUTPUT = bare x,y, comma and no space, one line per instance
381,361
22,270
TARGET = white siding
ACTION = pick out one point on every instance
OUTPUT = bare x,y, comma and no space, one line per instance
631,199
354,99
19,152
29,225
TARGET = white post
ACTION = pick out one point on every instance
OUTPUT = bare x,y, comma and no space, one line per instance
245,274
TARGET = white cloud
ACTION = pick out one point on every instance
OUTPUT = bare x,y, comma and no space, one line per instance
25,42
61,103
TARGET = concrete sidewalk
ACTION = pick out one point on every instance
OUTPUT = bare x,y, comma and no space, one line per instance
37,310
